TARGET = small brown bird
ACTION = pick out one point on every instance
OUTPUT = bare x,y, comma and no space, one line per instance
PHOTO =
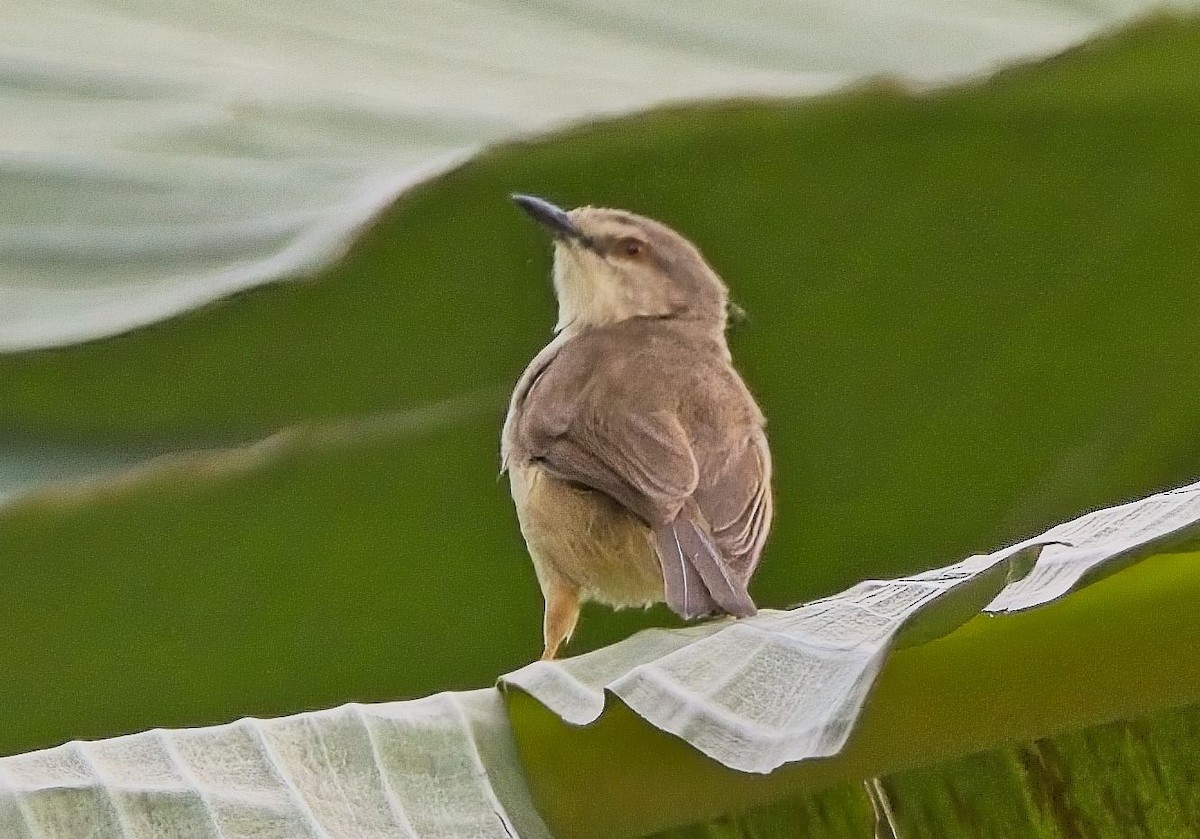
636,455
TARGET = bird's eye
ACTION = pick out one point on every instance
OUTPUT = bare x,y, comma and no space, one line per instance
632,247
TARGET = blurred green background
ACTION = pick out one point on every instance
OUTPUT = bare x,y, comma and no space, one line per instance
971,314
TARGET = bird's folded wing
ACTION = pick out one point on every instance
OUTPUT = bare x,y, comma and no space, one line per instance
719,533
737,505
697,579
644,461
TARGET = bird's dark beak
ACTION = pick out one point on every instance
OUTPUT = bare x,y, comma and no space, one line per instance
549,216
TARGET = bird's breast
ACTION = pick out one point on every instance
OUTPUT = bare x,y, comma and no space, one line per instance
586,539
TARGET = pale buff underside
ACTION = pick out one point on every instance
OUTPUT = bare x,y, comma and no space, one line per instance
585,541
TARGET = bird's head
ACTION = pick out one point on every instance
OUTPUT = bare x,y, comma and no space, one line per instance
611,265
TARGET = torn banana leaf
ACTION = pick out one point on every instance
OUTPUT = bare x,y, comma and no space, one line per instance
742,692
780,687
755,694
441,767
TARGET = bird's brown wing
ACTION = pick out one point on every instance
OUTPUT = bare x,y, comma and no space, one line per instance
737,505
708,524
721,529
642,460
689,555
645,462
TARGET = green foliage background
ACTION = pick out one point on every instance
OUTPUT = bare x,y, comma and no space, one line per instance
972,314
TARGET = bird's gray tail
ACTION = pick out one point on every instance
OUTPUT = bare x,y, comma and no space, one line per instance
695,575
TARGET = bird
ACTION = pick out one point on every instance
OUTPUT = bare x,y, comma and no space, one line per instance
637,456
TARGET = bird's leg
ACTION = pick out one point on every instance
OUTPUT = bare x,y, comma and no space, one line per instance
562,611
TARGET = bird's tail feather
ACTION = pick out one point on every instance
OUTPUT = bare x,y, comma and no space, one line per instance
695,577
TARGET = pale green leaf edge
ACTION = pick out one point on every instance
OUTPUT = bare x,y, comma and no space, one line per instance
782,687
